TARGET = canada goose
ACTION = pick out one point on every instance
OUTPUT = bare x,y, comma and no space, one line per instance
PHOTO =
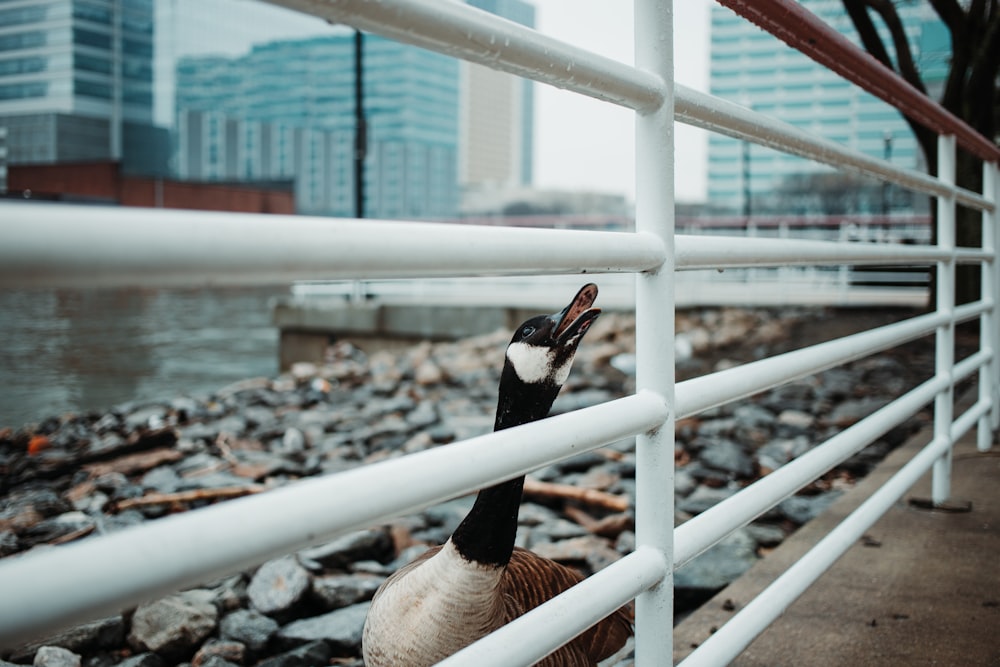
478,581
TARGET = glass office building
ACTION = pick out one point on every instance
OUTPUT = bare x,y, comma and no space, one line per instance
286,110
76,82
752,68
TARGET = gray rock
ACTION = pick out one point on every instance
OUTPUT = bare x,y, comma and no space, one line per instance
752,414
307,655
766,535
341,629
796,419
720,565
55,656
292,442
684,482
558,529
589,549
424,415
800,509
175,624
727,456
220,653
703,498
775,454
342,590
152,416
850,412
214,661
371,544
142,660
278,585
715,428
163,479
249,627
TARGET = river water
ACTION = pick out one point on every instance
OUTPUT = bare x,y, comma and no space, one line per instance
66,351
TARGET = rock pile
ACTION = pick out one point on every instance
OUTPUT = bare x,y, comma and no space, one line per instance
80,475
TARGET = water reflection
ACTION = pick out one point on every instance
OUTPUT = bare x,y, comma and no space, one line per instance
78,350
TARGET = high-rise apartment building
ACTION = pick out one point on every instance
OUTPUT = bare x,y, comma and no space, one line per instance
76,82
752,68
497,116
286,110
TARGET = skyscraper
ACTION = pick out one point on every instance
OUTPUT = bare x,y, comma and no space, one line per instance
76,82
497,117
752,68
286,110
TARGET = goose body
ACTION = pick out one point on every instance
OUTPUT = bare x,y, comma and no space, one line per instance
478,581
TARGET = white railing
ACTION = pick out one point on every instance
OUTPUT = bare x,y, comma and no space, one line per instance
45,244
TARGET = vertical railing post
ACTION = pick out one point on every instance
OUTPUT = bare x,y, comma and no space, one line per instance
945,337
988,320
654,315
993,172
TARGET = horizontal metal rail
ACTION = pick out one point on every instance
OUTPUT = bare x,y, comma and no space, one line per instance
53,244
725,117
477,36
102,245
731,252
41,592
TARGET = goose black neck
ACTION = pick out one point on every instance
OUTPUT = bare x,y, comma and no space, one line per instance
486,535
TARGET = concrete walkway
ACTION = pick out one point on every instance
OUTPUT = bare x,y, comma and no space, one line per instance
922,588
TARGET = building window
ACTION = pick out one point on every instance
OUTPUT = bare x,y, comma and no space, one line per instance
88,63
19,91
92,89
91,38
22,40
23,65
23,15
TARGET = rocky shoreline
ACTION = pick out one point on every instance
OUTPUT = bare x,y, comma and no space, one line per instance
76,476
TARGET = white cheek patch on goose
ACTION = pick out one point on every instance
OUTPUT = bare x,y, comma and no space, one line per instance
534,363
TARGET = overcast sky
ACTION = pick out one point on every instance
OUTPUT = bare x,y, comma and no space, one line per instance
579,143
583,143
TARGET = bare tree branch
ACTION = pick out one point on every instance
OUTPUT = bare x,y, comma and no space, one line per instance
952,14
904,55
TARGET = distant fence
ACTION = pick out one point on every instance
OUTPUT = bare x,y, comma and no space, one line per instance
47,244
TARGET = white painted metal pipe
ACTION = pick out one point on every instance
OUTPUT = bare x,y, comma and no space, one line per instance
990,268
701,393
45,591
462,31
654,330
542,630
728,252
944,355
725,117
56,245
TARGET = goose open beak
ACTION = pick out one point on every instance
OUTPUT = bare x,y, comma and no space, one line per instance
574,320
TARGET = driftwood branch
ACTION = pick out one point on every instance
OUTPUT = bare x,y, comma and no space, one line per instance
184,497
538,489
